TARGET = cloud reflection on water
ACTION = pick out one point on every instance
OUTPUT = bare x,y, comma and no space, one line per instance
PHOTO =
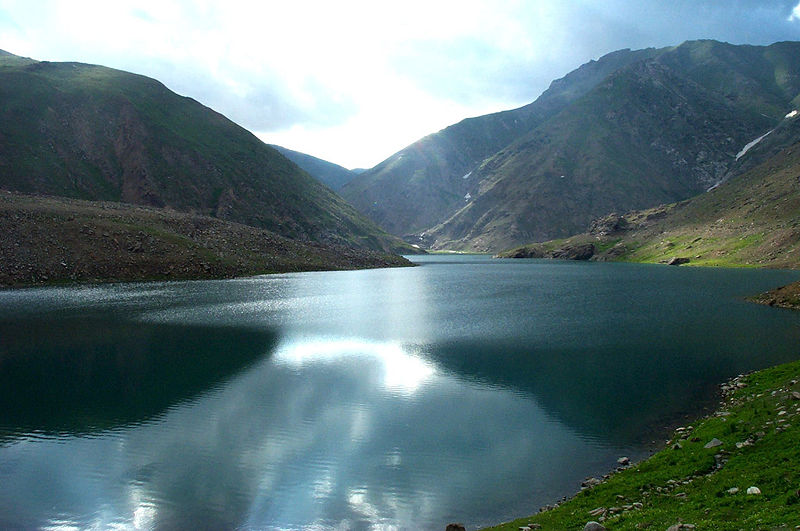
325,432
401,371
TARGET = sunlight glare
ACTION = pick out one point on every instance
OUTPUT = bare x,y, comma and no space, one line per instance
402,371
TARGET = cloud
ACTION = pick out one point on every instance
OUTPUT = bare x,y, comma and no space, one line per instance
795,15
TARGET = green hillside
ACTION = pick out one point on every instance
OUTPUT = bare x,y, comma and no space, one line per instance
90,132
750,220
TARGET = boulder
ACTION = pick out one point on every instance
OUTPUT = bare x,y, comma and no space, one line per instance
593,526
713,443
753,490
582,251
678,260
529,251
455,527
590,482
610,224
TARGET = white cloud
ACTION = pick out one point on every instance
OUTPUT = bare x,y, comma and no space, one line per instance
795,13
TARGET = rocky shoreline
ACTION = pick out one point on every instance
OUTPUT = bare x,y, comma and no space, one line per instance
49,240
784,297
729,458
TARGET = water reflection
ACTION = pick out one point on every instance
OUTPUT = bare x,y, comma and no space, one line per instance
73,376
470,390
400,371
318,434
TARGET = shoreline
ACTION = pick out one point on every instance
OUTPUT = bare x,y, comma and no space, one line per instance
709,442
53,240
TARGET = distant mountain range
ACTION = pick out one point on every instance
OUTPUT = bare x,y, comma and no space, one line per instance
631,130
331,175
90,132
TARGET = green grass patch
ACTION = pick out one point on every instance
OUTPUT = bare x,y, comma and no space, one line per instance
759,427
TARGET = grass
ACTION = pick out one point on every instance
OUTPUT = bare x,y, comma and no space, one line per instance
758,424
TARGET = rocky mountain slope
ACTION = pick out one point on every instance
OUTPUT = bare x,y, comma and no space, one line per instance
661,126
751,219
49,239
331,175
95,133
423,184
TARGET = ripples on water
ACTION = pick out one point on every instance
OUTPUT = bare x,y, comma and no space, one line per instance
463,390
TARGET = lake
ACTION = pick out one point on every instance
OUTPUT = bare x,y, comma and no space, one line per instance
467,389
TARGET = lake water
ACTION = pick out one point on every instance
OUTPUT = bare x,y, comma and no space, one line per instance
467,389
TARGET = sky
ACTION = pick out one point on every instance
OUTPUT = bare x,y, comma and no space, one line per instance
353,82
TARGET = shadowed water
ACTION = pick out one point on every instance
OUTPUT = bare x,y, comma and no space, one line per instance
467,389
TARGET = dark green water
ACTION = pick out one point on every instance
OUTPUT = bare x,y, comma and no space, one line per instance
467,389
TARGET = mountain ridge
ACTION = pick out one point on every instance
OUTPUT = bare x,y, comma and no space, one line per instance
653,126
432,176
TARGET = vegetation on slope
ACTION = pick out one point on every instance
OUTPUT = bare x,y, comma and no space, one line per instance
47,240
704,476
90,132
750,220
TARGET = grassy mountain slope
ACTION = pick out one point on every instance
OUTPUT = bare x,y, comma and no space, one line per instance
331,175
49,239
749,220
658,130
427,181
95,133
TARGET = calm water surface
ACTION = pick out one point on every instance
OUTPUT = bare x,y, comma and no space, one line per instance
467,389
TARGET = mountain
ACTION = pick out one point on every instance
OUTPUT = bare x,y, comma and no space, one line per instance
750,219
90,132
646,128
331,175
426,182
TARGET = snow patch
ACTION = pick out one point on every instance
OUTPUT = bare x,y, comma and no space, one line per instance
468,196
791,114
747,146
467,175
